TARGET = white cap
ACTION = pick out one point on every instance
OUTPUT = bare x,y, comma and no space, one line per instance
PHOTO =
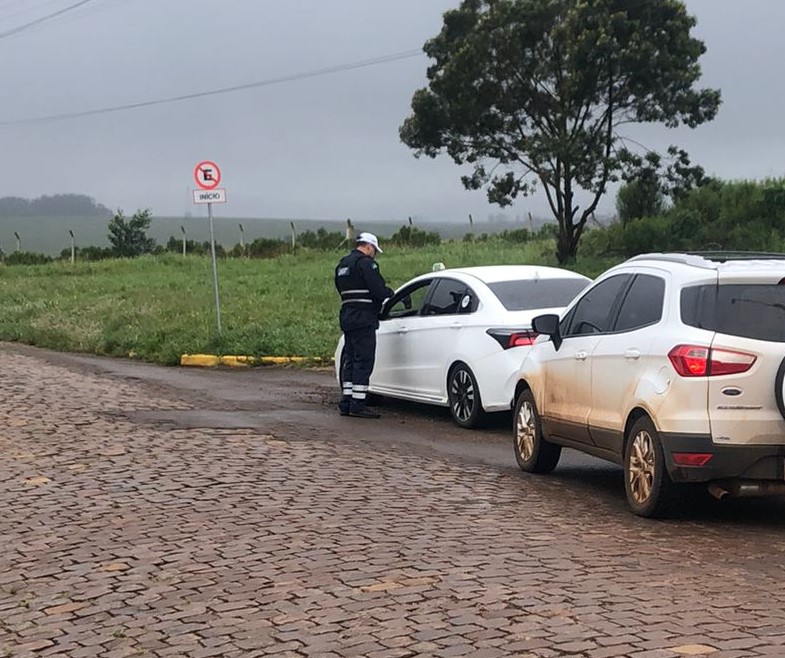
370,238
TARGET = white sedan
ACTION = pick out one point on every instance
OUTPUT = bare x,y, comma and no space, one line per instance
457,337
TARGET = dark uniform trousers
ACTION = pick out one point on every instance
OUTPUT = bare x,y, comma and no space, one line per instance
359,354
362,291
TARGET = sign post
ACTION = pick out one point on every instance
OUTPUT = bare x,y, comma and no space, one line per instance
208,177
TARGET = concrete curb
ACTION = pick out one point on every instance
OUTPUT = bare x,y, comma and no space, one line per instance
212,360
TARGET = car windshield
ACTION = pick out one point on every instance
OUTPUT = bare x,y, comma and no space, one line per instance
537,293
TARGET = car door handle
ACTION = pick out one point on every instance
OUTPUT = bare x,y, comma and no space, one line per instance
632,353
581,356
403,330
456,325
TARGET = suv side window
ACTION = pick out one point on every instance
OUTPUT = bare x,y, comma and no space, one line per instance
407,302
446,298
594,313
642,304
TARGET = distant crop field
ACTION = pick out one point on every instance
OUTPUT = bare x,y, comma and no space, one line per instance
49,235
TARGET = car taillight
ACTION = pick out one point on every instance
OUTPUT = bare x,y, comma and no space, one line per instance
699,361
522,339
513,338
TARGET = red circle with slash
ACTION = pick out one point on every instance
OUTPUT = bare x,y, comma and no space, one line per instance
207,175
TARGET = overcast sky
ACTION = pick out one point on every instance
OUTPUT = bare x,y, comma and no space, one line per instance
322,147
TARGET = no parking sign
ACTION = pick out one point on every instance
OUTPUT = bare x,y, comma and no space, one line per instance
207,175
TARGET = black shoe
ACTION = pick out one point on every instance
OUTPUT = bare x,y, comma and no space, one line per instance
364,413
343,412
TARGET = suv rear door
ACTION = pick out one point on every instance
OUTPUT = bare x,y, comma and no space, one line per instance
621,358
747,312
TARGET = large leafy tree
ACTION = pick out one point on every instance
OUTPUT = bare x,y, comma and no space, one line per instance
534,91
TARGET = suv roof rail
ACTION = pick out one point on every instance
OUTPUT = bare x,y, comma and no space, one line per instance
683,258
722,256
707,259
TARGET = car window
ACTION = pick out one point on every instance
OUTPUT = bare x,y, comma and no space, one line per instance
642,304
749,310
408,301
537,293
447,297
594,312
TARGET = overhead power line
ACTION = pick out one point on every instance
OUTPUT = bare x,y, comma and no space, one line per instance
215,92
43,19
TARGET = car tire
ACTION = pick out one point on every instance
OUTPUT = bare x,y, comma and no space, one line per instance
533,452
650,491
463,396
779,393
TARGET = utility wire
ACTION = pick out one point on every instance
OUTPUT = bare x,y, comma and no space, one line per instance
215,92
44,6
43,19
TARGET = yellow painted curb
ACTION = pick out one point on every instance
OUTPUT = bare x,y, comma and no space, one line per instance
211,360
199,360
238,361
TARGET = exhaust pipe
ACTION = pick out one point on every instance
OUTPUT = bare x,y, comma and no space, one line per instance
717,491
746,488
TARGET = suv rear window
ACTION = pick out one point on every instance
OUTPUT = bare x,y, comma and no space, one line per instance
744,309
539,293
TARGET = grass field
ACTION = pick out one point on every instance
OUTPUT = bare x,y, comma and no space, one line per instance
157,308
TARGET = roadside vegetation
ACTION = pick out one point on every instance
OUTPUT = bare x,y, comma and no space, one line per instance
158,307
280,301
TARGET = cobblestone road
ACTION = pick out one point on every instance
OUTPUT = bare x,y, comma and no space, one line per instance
120,539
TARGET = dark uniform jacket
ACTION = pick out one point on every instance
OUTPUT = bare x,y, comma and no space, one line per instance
362,290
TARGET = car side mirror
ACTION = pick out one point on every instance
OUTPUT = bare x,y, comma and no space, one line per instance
549,325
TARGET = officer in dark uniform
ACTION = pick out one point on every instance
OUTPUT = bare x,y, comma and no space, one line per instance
362,290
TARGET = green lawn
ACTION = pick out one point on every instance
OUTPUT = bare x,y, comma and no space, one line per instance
157,308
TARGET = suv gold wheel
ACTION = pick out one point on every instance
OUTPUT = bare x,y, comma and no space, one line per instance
532,452
641,468
526,430
650,490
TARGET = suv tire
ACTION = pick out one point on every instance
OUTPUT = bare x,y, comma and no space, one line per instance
532,452
650,491
779,382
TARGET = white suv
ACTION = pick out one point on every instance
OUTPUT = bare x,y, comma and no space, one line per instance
671,365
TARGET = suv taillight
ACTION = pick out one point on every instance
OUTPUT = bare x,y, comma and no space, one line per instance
698,361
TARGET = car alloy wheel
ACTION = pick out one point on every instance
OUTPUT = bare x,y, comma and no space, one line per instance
533,452
526,430
641,470
650,491
464,397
